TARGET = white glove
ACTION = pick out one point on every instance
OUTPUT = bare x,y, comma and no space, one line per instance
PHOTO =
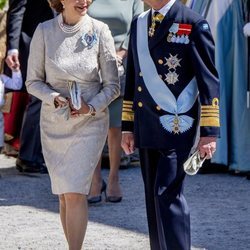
193,163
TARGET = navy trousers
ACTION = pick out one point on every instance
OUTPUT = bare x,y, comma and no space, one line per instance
167,210
30,139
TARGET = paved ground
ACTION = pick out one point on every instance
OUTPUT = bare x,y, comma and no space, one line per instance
220,206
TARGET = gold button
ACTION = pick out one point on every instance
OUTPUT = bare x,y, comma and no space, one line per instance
140,74
139,89
140,104
160,76
215,102
158,107
160,61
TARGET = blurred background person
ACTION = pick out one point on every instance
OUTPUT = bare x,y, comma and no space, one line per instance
118,16
22,19
15,83
2,56
227,19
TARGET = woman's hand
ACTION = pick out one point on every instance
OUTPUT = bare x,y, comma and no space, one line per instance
84,110
60,101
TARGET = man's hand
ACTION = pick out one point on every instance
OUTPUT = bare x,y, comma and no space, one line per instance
13,61
128,143
120,55
207,147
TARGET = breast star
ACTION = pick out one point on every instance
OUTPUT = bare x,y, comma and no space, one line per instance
172,62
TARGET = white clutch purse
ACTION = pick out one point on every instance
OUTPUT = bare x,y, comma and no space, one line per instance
75,95
193,163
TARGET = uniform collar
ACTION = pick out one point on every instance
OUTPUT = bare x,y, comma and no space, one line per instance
164,10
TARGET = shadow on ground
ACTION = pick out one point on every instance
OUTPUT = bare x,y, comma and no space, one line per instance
19,189
219,204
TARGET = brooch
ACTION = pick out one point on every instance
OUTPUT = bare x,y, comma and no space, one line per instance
89,39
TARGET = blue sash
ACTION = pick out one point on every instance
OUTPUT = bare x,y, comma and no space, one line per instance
159,91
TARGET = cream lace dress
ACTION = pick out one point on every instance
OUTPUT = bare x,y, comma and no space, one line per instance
84,54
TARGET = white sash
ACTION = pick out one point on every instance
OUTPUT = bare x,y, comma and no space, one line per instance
158,89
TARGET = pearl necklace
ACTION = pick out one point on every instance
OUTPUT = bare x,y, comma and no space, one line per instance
69,28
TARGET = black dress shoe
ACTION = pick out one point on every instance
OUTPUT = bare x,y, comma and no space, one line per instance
43,168
248,175
27,166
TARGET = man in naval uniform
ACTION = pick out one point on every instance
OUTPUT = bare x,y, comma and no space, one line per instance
172,92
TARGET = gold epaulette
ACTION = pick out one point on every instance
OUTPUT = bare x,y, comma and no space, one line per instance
210,114
127,112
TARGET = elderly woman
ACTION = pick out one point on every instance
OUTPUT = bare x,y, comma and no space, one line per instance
72,69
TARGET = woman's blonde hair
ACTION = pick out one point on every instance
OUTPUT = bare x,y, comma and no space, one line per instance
56,5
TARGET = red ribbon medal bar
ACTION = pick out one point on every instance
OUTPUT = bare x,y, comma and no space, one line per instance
179,33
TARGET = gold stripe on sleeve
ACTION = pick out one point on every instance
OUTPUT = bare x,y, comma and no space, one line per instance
128,116
210,122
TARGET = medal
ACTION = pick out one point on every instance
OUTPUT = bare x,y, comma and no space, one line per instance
174,28
187,39
176,128
170,35
182,39
179,33
171,78
177,39
172,62
151,31
173,39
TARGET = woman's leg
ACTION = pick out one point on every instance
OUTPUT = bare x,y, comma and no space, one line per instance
96,184
76,219
114,145
62,209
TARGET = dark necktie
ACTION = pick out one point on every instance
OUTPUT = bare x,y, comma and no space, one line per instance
156,21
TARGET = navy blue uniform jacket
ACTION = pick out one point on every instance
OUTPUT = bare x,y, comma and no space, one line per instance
196,59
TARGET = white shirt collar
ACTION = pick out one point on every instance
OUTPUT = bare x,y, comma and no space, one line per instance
164,10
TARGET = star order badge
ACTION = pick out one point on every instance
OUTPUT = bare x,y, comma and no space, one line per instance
172,62
171,78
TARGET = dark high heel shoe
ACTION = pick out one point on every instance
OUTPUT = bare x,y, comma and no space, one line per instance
114,199
98,198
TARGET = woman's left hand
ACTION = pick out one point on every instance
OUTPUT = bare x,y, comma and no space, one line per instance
77,112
